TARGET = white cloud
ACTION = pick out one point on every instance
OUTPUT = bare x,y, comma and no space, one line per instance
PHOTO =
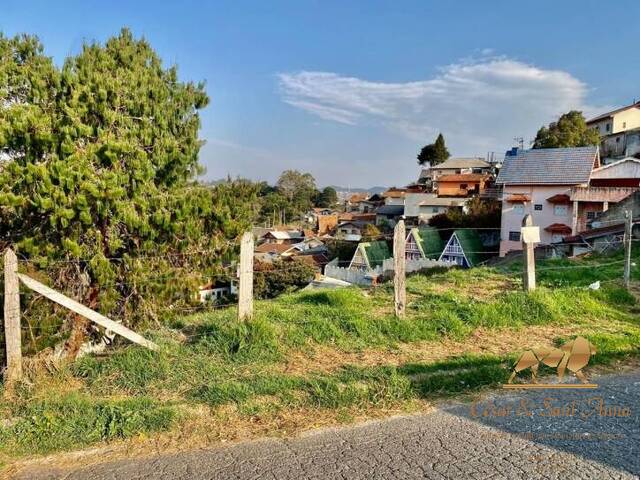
479,105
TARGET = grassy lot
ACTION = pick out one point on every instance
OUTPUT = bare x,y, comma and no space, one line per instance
320,357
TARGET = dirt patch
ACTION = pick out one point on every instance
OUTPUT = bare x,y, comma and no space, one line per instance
482,289
325,359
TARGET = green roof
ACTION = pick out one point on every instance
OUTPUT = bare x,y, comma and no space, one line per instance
376,252
471,246
429,241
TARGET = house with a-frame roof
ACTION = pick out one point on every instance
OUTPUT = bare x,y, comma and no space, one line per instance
370,255
465,249
423,243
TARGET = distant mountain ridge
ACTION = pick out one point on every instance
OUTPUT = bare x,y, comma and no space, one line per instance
370,190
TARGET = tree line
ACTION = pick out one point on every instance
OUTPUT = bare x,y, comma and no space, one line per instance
294,194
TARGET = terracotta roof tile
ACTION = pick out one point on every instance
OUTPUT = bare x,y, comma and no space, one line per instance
518,197
559,198
462,177
558,228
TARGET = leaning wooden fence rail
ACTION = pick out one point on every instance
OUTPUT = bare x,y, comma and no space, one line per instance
13,338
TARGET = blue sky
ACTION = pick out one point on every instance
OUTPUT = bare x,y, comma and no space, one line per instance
350,90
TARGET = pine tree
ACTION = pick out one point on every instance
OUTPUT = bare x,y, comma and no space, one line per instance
97,183
434,153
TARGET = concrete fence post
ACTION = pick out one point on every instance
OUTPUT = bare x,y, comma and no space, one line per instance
12,334
628,230
529,235
245,287
399,271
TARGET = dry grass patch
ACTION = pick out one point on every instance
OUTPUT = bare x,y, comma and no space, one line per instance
327,359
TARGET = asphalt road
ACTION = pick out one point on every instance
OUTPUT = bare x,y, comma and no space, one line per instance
454,442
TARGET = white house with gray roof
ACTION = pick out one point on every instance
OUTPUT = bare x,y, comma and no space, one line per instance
539,182
420,207
454,166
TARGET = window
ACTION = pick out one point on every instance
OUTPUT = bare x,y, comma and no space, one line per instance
514,236
608,127
624,124
556,237
518,208
591,215
561,210
435,209
537,207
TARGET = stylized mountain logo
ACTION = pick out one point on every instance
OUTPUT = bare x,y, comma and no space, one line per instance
572,356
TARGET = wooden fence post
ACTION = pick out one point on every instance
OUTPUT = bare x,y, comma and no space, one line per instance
529,235
245,287
399,270
628,229
12,334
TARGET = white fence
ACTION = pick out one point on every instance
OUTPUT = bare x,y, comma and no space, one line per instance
416,265
358,277
368,277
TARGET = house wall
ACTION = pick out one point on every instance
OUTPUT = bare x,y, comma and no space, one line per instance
616,210
601,126
584,208
626,120
394,201
627,169
454,189
326,223
613,145
437,172
348,230
412,203
429,211
215,293
512,218
632,143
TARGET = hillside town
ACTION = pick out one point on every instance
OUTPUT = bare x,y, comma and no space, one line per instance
318,240
576,195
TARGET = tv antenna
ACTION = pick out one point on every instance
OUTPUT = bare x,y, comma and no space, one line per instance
519,141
